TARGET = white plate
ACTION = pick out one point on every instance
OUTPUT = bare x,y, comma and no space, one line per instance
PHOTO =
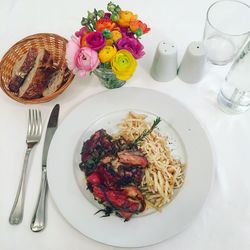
192,144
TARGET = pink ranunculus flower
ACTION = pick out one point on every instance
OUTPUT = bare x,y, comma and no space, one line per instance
95,40
86,60
72,47
132,45
80,60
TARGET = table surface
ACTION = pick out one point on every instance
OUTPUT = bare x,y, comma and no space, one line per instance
223,222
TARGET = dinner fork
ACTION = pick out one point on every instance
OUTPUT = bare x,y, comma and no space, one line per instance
34,133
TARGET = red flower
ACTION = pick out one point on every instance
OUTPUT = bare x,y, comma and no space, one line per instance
104,23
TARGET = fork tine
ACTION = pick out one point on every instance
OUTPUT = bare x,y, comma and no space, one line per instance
33,122
29,123
40,122
36,122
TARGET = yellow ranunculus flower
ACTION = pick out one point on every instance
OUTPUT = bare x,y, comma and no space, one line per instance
107,53
123,64
116,35
125,17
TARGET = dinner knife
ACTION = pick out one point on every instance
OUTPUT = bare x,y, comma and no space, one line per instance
38,222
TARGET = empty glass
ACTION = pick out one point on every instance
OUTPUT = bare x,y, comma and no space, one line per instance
227,29
234,97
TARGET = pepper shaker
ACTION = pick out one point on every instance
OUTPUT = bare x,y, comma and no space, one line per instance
164,66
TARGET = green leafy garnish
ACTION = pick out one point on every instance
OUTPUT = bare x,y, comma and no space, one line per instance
146,132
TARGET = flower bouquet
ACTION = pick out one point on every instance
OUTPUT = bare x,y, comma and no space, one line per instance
108,45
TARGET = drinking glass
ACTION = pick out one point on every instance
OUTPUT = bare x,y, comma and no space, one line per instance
226,30
234,96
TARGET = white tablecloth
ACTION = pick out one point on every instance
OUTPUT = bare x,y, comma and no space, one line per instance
223,223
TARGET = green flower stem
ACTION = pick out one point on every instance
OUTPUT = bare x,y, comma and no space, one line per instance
90,26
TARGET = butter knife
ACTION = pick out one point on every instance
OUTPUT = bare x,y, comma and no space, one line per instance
38,222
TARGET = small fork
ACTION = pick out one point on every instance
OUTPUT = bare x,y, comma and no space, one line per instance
34,133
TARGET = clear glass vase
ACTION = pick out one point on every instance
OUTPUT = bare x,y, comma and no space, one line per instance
108,78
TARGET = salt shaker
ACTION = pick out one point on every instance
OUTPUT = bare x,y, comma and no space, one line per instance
192,66
164,66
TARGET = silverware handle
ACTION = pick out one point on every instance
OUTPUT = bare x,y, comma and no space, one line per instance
16,215
38,222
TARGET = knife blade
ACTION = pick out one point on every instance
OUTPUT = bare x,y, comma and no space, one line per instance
51,129
38,222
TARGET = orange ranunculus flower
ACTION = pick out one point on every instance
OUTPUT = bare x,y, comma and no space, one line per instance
136,24
102,24
125,17
83,42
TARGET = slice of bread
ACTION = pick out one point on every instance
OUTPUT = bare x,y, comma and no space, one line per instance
22,69
18,65
55,82
38,78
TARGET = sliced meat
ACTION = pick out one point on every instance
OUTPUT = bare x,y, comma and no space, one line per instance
134,158
99,144
108,176
38,77
114,161
117,199
107,159
94,179
121,144
22,68
133,192
98,193
125,215
130,174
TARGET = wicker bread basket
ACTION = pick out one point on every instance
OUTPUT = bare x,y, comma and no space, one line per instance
55,44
